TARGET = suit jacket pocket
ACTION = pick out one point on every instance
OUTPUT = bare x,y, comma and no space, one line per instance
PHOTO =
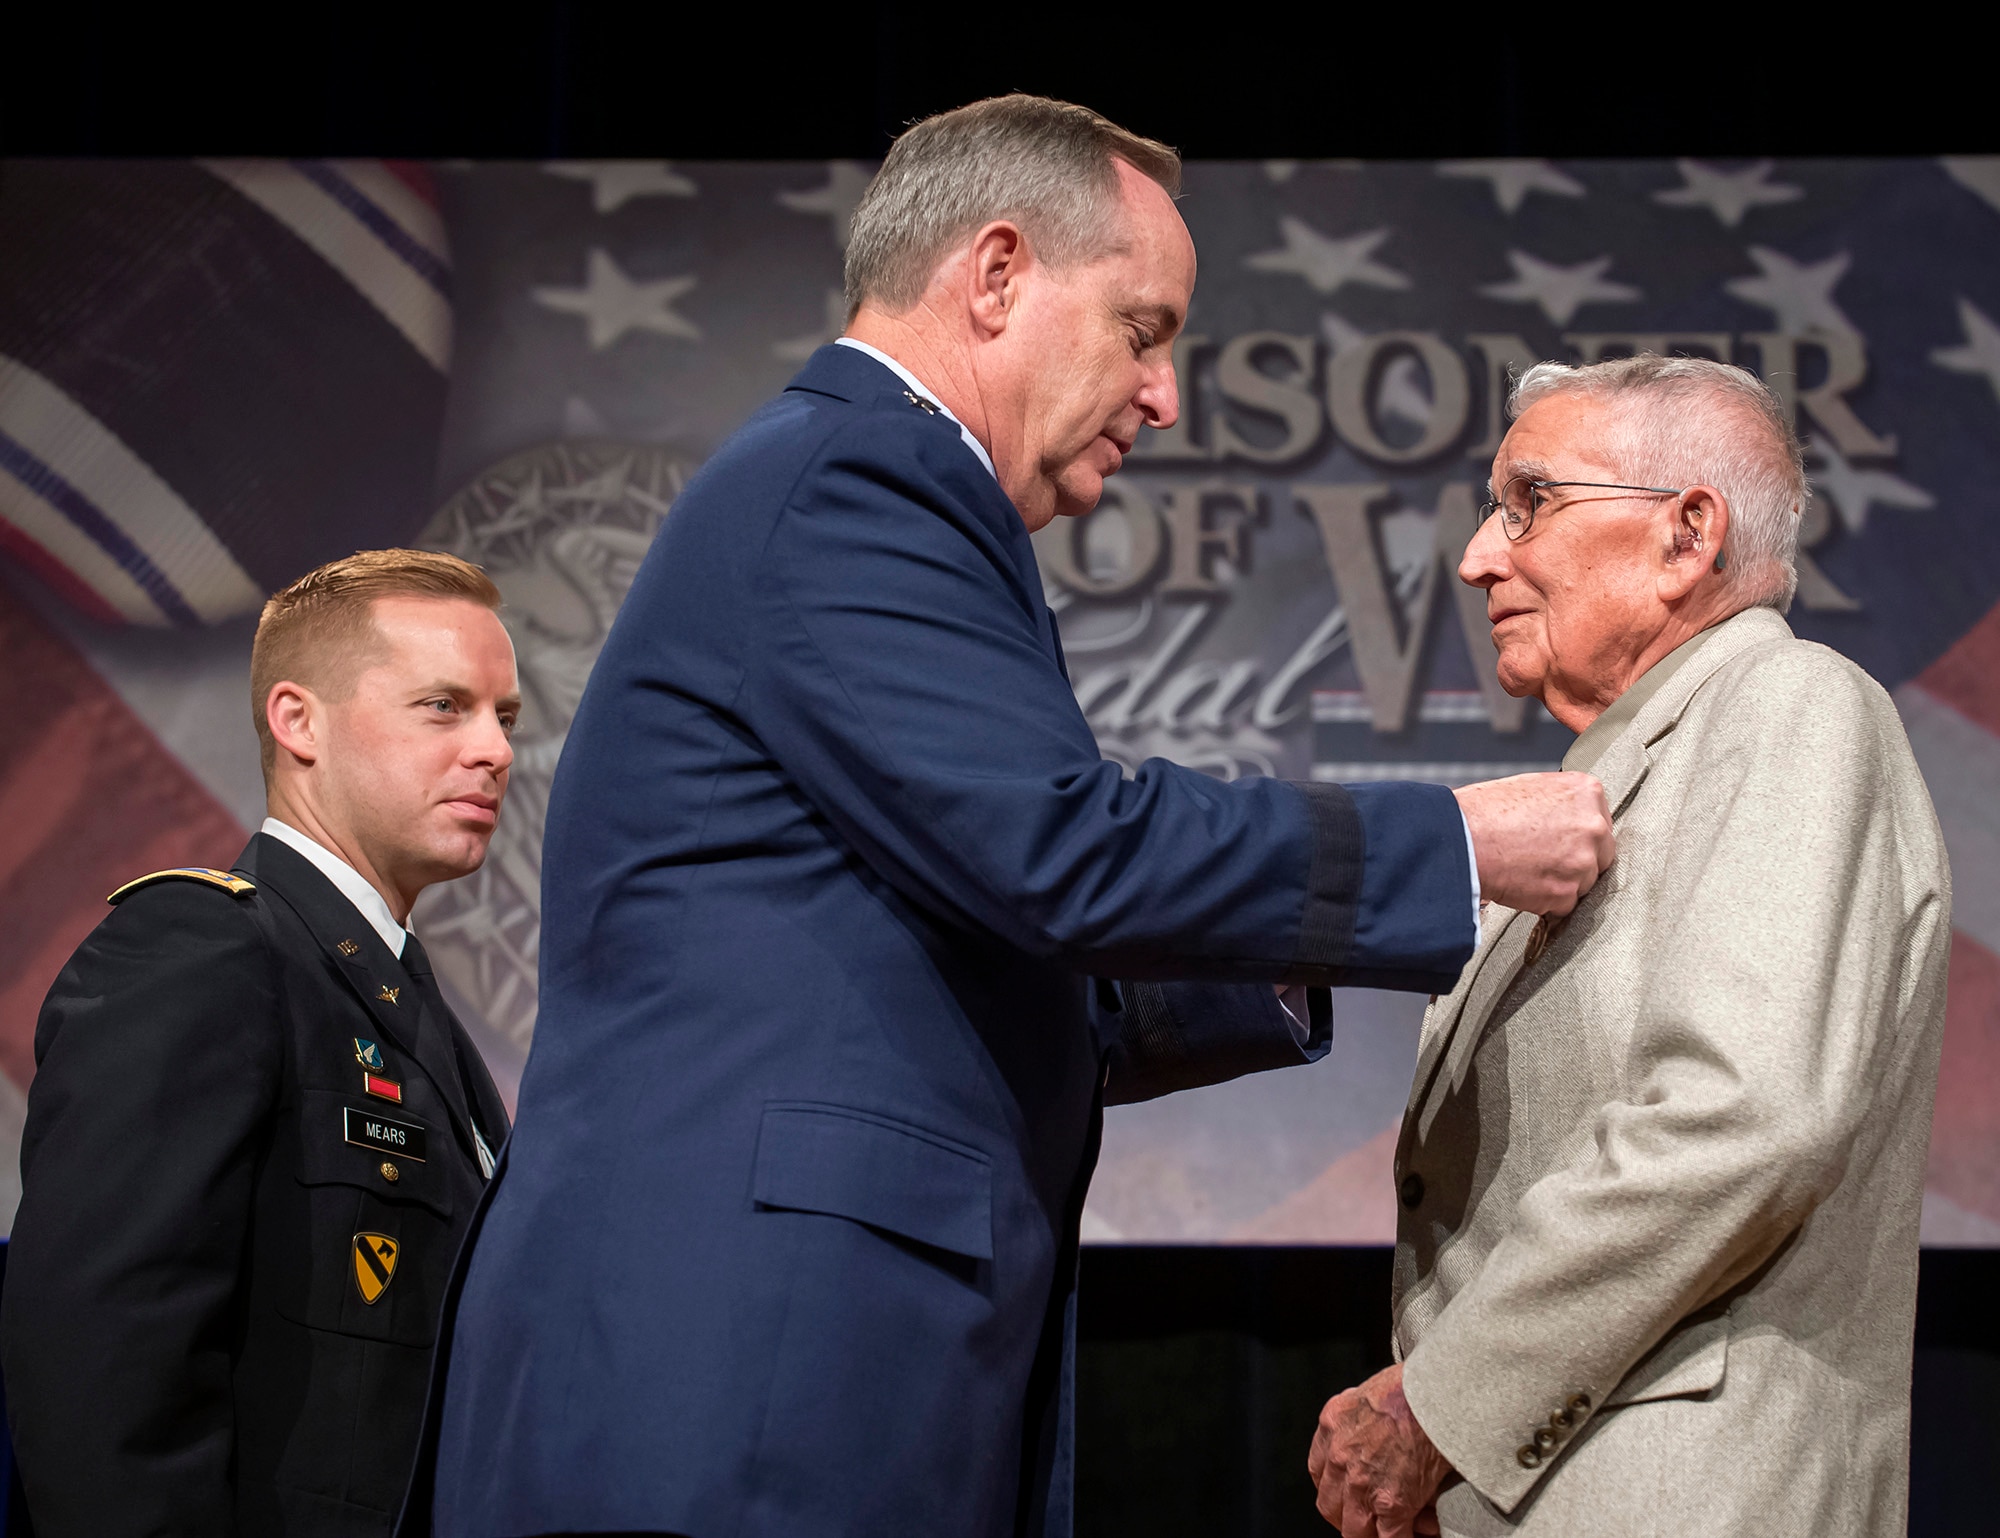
362,1254
1692,1360
875,1170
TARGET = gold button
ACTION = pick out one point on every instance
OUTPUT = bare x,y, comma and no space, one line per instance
1545,1440
390,1173
1538,941
1528,1458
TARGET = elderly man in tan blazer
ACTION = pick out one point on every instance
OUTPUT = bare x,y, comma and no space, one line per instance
1660,1175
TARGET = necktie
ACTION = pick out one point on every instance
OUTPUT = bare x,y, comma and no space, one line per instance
417,962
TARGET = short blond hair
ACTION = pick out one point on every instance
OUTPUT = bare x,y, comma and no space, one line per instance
1050,166
319,629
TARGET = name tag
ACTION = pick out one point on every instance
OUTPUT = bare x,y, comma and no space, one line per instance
365,1129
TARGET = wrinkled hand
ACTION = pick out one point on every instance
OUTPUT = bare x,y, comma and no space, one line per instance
1375,1469
1541,840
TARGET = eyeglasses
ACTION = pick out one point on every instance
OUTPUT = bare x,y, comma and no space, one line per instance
1522,497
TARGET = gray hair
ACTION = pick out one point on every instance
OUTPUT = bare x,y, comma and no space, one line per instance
1046,165
1693,421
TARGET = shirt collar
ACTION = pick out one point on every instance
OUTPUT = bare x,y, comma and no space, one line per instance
925,391
1589,747
353,886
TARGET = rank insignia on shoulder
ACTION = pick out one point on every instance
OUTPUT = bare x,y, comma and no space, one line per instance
381,1088
367,1054
234,885
375,1257
388,994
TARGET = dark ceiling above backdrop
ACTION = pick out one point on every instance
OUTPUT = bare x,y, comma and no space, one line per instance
593,79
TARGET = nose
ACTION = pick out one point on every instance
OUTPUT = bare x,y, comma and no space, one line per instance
1488,558
488,746
1159,397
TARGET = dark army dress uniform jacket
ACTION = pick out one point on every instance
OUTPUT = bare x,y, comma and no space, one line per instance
233,1242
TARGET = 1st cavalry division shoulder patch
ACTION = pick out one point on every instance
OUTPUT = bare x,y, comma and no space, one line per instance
374,1264
235,886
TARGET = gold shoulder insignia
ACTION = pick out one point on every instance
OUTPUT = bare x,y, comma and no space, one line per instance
235,886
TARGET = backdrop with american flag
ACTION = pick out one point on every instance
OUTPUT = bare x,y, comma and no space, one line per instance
217,374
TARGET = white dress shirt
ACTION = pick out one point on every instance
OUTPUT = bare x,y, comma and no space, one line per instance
353,885
927,393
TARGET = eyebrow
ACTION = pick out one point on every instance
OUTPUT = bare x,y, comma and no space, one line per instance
1164,319
1536,468
459,691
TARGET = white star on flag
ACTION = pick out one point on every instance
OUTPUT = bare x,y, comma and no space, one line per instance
1326,261
1513,180
1729,195
614,183
1853,491
1981,352
1978,174
799,348
611,304
846,180
1560,291
1799,296
1403,391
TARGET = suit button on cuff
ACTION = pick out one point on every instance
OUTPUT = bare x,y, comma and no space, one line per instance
1528,1458
1579,1404
1545,1441
1412,1189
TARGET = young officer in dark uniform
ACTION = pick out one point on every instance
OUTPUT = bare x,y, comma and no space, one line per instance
256,1134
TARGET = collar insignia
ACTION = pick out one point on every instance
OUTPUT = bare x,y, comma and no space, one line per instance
388,994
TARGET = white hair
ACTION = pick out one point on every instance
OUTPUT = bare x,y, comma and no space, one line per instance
1696,422
1046,165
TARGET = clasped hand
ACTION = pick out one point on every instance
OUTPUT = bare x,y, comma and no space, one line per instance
1375,1469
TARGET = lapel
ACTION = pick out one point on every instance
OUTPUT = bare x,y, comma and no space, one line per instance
1621,769
370,968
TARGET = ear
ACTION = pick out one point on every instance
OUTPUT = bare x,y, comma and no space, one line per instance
1699,523
1000,255
297,720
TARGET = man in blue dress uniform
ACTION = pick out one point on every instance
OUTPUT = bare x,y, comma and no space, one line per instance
785,1240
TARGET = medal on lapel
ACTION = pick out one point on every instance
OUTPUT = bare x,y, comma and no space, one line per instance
1538,940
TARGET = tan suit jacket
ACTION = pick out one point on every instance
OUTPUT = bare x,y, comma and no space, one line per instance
1661,1172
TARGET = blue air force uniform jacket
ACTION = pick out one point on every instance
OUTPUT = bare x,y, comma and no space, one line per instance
247,1167
784,1243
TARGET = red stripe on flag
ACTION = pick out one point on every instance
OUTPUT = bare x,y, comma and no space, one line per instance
66,583
89,799
1965,1137
415,175
1968,676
